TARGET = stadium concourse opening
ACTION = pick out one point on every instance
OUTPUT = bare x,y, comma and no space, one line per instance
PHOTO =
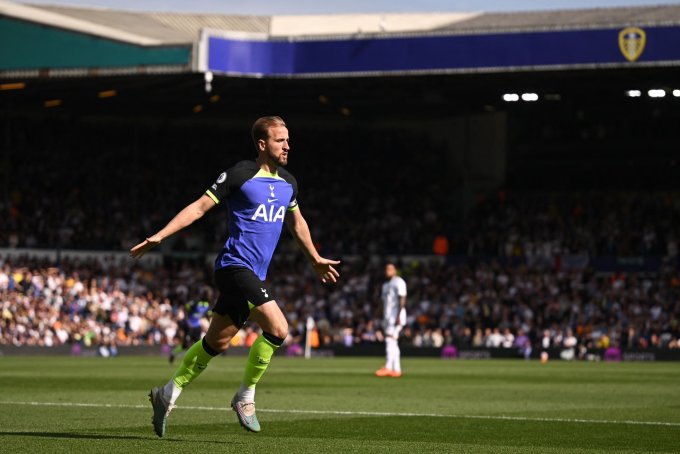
584,131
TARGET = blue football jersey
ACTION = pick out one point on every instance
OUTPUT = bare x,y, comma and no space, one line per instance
258,202
195,312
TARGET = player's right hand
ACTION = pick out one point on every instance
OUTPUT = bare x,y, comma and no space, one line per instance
401,318
145,246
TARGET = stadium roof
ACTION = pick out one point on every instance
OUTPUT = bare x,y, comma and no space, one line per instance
163,28
41,40
154,28
575,18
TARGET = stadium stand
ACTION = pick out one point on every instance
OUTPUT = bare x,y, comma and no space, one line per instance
173,28
563,235
661,14
54,188
108,304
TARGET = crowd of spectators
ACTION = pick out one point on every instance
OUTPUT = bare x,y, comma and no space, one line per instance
508,291
63,194
536,225
113,303
96,302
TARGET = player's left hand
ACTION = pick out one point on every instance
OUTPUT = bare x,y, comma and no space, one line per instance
324,268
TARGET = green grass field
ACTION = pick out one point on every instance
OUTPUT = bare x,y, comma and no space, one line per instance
52,404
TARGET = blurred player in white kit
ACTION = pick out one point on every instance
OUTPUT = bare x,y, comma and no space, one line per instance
394,319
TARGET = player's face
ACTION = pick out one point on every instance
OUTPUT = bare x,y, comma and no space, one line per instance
390,271
277,145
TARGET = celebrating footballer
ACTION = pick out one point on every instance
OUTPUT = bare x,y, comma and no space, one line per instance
261,195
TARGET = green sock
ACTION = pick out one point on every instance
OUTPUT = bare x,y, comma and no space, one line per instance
258,359
195,360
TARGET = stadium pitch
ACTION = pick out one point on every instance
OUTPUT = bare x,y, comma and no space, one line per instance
53,404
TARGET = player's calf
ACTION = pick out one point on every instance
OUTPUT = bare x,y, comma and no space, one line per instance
259,358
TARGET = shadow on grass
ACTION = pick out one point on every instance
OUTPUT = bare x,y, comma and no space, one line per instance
91,436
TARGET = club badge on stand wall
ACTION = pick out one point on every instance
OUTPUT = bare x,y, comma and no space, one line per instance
632,42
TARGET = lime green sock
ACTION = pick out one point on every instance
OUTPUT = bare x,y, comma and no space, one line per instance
195,360
258,359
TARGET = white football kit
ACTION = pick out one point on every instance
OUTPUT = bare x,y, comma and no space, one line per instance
394,317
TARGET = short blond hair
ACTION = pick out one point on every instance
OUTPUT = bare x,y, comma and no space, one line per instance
260,129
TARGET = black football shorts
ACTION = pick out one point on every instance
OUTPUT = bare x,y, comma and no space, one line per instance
240,291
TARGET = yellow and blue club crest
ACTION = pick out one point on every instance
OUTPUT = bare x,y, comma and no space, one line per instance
632,42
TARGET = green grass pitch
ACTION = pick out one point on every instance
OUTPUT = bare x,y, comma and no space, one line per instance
52,404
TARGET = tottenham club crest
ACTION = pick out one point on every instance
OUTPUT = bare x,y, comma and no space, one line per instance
632,42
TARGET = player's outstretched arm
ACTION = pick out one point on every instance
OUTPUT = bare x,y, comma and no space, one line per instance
300,230
184,218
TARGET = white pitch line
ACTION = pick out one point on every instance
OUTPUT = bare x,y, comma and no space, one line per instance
361,413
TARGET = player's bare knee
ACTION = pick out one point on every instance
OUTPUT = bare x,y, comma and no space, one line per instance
282,327
271,319
222,345
279,329
219,342
274,339
214,346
